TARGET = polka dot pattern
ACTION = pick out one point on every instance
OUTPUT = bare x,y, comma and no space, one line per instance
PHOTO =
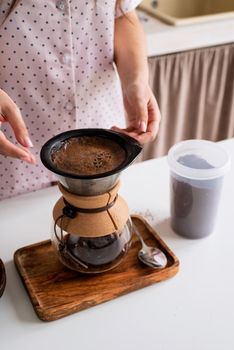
56,60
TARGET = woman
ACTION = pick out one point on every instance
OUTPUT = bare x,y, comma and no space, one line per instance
60,66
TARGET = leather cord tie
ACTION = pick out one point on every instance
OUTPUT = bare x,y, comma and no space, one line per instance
71,211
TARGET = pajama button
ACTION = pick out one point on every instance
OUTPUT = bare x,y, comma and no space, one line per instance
69,106
66,58
61,5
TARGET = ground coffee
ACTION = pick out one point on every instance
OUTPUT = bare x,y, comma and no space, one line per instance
194,203
88,155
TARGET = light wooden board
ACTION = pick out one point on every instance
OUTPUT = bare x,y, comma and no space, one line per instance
56,291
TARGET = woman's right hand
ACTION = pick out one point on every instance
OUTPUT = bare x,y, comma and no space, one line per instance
10,113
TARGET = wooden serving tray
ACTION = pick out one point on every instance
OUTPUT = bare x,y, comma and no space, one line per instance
55,291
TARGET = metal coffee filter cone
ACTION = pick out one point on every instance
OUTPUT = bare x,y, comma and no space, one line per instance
90,185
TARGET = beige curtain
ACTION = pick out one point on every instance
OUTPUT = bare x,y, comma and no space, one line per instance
195,92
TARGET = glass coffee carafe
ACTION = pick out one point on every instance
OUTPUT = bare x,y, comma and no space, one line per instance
91,230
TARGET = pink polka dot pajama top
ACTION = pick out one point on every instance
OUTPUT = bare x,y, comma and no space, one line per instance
56,63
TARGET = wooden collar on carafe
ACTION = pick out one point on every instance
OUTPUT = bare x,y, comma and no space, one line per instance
88,220
94,216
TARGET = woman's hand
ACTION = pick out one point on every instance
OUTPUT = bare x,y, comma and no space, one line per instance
143,115
10,113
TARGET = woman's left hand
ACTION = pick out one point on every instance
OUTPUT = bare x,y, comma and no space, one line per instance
143,115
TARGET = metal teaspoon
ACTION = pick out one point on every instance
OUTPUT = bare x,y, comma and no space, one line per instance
150,256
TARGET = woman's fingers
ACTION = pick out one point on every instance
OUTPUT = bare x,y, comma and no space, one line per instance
149,132
9,112
154,118
132,132
9,149
142,112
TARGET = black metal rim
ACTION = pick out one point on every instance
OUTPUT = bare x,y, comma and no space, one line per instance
130,145
2,278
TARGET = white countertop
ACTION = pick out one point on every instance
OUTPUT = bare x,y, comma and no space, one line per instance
193,310
163,38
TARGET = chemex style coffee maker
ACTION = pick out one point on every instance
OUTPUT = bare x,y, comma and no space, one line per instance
92,229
